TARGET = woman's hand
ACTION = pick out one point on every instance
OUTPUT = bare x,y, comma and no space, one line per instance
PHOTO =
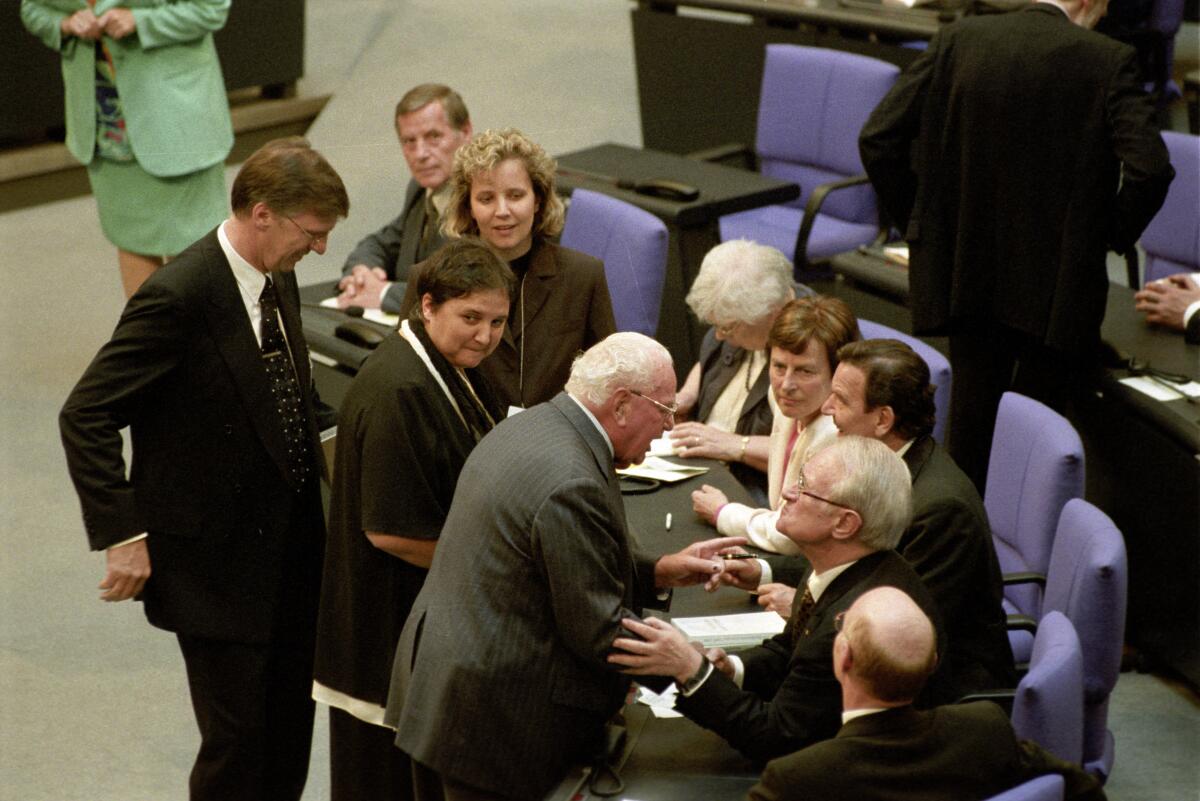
701,441
707,500
118,23
82,24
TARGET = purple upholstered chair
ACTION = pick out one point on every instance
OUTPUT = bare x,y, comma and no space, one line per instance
1172,239
1048,705
813,105
632,243
939,368
1036,466
1087,582
1043,788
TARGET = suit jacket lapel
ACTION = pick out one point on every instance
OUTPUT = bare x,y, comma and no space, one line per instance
234,338
917,456
846,581
414,222
539,282
758,392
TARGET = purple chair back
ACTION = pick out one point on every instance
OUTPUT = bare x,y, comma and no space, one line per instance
813,105
1087,582
939,368
632,243
1044,788
1036,466
1048,707
1172,239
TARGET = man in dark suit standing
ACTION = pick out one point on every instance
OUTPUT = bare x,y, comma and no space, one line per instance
500,682
1013,154
218,526
888,751
846,515
881,390
432,122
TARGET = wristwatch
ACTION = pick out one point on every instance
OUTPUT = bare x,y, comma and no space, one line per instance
692,684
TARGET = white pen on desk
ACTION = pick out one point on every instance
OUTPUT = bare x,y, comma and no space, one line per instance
668,523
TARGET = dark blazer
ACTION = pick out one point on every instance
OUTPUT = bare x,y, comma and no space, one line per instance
1013,153
567,310
500,680
790,698
949,545
396,247
1192,334
718,363
235,550
952,753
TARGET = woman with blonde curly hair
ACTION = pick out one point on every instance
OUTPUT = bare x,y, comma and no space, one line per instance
503,192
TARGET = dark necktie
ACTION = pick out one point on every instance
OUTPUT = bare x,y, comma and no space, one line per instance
430,229
800,614
285,389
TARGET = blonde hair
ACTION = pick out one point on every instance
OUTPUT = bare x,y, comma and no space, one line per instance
484,153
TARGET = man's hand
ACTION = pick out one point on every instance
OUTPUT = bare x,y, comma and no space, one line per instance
720,660
127,570
702,441
118,22
82,24
777,598
362,287
663,650
1165,301
695,564
741,573
707,500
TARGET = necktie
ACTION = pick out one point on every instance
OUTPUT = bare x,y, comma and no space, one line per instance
800,615
429,230
285,389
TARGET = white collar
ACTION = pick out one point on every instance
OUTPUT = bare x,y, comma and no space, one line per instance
596,423
411,338
249,278
819,582
851,714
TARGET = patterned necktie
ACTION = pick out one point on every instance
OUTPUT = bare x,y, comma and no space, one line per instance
800,615
285,389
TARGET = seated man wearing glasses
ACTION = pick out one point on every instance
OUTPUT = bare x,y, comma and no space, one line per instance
846,515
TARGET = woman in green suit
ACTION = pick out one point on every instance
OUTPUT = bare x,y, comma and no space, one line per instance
146,112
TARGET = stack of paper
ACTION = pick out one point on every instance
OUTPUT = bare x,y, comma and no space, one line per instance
661,470
731,631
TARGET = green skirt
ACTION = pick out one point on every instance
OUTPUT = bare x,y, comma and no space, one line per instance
142,213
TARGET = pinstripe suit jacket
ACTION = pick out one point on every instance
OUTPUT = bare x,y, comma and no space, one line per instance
500,680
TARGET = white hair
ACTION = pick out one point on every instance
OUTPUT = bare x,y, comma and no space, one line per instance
740,281
625,359
876,483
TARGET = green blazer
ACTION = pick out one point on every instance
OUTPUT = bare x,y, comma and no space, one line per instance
167,75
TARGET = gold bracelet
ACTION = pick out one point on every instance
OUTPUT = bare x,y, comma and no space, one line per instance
742,455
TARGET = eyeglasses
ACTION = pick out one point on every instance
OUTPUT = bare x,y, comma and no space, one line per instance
668,411
313,239
800,488
727,329
839,620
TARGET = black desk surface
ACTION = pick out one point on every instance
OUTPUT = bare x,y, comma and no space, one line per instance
848,15
723,190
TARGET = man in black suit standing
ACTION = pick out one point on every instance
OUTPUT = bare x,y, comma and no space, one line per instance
888,751
846,515
432,122
1013,154
218,526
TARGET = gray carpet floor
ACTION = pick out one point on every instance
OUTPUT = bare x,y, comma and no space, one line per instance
93,702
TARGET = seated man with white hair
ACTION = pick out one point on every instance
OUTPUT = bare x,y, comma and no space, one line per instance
888,751
846,515
500,682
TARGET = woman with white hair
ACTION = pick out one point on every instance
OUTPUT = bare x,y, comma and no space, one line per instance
739,291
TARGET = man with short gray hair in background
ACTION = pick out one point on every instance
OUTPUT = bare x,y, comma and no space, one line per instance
432,123
500,682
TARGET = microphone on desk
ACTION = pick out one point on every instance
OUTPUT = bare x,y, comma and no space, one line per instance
349,311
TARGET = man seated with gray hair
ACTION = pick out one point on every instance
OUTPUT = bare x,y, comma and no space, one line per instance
888,751
500,682
739,291
846,514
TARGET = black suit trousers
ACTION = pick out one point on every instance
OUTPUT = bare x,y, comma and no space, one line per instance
989,359
253,704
